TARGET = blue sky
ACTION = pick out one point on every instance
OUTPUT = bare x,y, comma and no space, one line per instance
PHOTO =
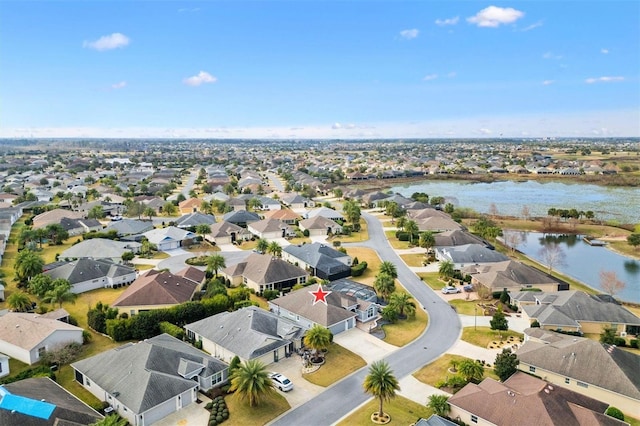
319,69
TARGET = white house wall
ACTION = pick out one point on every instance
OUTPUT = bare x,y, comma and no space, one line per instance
58,339
16,352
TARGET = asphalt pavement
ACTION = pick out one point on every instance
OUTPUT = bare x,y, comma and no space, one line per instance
442,332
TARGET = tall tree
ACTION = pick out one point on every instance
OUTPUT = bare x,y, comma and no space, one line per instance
634,240
412,228
19,301
149,212
169,209
381,383
499,321
552,255
439,404
446,269
28,264
203,229
427,240
40,285
60,292
610,282
96,212
352,211
389,268
318,338
384,285
251,382
274,249
215,263
262,245
506,364
403,303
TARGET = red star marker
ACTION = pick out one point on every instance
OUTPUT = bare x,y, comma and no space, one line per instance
320,295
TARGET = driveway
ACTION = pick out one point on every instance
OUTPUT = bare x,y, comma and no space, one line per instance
369,347
191,415
303,390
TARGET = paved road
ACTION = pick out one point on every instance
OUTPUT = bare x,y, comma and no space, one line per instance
275,182
443,331
189,185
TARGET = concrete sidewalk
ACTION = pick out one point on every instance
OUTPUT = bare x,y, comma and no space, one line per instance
369,347
413,389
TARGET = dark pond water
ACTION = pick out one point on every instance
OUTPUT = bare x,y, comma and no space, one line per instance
584,262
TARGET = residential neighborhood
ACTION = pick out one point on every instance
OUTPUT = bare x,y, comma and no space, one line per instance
144,280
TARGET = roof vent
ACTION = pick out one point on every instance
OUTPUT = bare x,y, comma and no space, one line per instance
511,393
550,387
546,391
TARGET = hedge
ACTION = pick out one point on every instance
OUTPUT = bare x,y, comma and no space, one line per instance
358,270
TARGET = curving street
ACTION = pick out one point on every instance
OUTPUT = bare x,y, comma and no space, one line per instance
443,331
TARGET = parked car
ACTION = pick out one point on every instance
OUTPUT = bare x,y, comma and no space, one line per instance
281,382
468,287
450,290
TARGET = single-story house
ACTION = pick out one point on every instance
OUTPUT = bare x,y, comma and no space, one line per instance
126,227
39,401
191,220
146,381
156,290
241,217
249,333
264,272
319,225
80,226
511,275
27,336
54,216
338,314
287,216
525,400
227,233
296,201
324,212
169,238
458,237
4,365
575,310
191,205
582,365
271,229
468,254
100,248
321,260
86,274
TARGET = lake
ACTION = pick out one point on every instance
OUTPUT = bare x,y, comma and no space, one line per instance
584,262
620,204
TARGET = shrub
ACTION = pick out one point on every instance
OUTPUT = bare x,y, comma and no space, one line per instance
634,343
305,232
619,341
270,294
337,243
358,269
535,324
40,371
615,413
173,330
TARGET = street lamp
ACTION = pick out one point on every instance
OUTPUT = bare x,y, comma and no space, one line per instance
475,308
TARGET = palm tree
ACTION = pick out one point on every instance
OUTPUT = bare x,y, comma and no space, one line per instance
111,420
262,246
28,264
318,338
439,404
381,383
412,228
389,268
446,269
149,212
274,248
251,382
215,263
427,240
400,222
403,303
384,284
471,370
203,229
61,292
19,301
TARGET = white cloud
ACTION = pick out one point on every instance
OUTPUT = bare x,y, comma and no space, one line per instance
484,131
494,16
604,51
603,79
336,126
548,82
409,34
532,26
430,77
447,21
551,55
108,42
119,85
200,78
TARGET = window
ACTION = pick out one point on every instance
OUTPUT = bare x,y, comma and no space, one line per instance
303,280
532,369
474,419
566,380
41,351
582,385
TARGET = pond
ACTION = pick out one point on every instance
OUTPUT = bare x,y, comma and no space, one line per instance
584,262
608,203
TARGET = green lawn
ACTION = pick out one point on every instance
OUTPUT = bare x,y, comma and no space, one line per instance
438,370
466,307
406,330
241,414
396,243
485,337
413,259
432,279
403,412
356,237
373,263
339,363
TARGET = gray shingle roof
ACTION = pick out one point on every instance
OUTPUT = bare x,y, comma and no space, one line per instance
84,269
195,219
471,253
99,248
265,269
145,374
301,302
130,226
157,288
585,360
249,332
